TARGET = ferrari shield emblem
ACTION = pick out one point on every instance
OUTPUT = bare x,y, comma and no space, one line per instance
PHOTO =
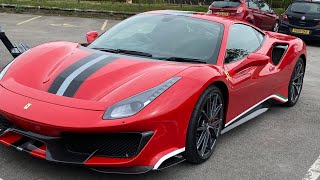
27,106
228,75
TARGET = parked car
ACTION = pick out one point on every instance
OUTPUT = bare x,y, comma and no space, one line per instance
258,13
302,19
154,90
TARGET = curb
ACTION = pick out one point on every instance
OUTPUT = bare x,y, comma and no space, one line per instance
47,8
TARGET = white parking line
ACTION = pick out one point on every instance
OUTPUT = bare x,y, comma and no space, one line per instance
28,20
314,171
104,25
64,25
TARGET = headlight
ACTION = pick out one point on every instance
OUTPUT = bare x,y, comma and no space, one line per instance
5,69
136,103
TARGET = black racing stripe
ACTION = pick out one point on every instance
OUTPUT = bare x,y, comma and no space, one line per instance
76,83
64,74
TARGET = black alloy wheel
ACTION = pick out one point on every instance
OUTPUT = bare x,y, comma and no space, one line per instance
296,83
205,126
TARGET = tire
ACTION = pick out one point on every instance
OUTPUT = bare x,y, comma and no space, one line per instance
276,27
205,126
296,83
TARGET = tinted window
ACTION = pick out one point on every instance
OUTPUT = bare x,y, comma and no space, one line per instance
242,41
265,7
226,3
165,36
305,7
253,5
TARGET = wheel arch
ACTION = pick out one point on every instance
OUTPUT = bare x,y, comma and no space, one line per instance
304,58
225,93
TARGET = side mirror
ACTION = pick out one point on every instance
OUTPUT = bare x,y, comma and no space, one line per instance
253,59
91,36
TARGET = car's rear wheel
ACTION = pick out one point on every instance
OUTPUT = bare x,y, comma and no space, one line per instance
296,83
205,126
276,27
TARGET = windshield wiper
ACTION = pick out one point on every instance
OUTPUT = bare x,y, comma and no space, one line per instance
181,59
145,54
107,50
124,51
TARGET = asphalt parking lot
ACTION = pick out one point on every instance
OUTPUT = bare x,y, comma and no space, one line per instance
280,144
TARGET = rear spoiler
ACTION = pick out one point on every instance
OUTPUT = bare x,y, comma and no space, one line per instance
14,49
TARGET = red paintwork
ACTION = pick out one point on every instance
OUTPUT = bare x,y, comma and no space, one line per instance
9,138
40,152
29,78
259,18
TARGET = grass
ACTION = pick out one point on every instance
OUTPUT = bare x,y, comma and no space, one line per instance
279,11
108,6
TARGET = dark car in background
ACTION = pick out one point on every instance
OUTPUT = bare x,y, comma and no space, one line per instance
302,19
256,12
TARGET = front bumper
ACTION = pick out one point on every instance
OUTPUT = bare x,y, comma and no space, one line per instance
286,28
56,149
39,130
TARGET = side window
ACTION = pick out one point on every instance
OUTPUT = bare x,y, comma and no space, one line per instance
242,41
265,7
253,4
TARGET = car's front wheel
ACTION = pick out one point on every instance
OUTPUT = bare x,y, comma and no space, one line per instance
296,83
205,126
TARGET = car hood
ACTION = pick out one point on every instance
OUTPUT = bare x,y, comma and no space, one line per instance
71,75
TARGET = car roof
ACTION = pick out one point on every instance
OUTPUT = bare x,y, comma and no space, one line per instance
200,15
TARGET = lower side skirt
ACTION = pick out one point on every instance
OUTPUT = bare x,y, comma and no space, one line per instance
253,112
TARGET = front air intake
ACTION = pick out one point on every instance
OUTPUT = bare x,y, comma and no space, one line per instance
114,145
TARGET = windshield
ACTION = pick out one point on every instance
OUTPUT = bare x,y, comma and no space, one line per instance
165,36
305,8
226,4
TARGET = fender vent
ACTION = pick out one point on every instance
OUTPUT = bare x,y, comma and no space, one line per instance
278,52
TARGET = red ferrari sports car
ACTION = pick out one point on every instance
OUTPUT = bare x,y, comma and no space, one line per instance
156,89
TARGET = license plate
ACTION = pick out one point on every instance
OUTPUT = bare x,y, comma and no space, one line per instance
300,31
223,13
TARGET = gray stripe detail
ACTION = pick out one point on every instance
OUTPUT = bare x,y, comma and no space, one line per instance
245,119
73,75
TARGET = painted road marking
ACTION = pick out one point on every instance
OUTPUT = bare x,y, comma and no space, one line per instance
314,171
29,20
64,25
104,25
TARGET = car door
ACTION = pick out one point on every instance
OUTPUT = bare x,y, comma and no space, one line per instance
269,17
253,8
247,88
